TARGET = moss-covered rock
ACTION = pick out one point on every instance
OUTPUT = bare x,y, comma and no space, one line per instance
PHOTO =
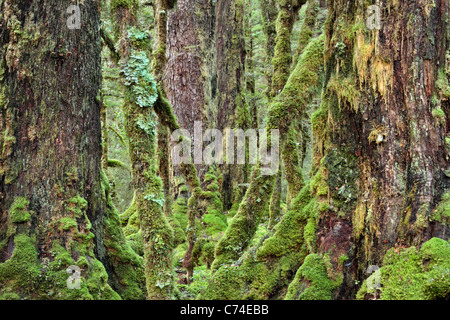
413,274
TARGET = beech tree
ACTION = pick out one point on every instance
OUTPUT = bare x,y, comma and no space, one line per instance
56,211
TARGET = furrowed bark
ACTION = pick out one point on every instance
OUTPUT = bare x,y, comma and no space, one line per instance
232,107
54,205
167,118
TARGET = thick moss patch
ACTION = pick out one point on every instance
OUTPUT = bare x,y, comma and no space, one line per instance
414,274
312,281
19,212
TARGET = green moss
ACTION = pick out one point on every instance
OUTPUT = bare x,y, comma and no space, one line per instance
289,232
413,274
114,163
184,188
215,223
318,184
306,31
67,223
131,210
309,234
8,141
282,57
342,259
439,115
422,214
207,256
123,253
77,205
18,213
179,233
180,210
288,237
312,281
346,90
24,275
442,211
200,282
22,269
292,162
9,296
136,242
228,283
442,83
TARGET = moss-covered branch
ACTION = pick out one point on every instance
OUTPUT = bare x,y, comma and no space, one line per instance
282,57
294,98
109,42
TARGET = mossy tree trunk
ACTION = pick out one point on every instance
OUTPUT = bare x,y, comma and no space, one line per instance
54,205
269,14
282,56
282,60
232,107
141,128
386,117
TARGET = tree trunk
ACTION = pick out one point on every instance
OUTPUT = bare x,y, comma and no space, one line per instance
54,206
269,15
383,147
232,108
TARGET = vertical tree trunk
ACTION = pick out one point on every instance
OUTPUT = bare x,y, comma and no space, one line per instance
269,15
183,81
140,124
54,209
232,108
383,147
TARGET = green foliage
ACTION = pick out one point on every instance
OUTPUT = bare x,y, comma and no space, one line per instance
139,38
154,198
18,213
